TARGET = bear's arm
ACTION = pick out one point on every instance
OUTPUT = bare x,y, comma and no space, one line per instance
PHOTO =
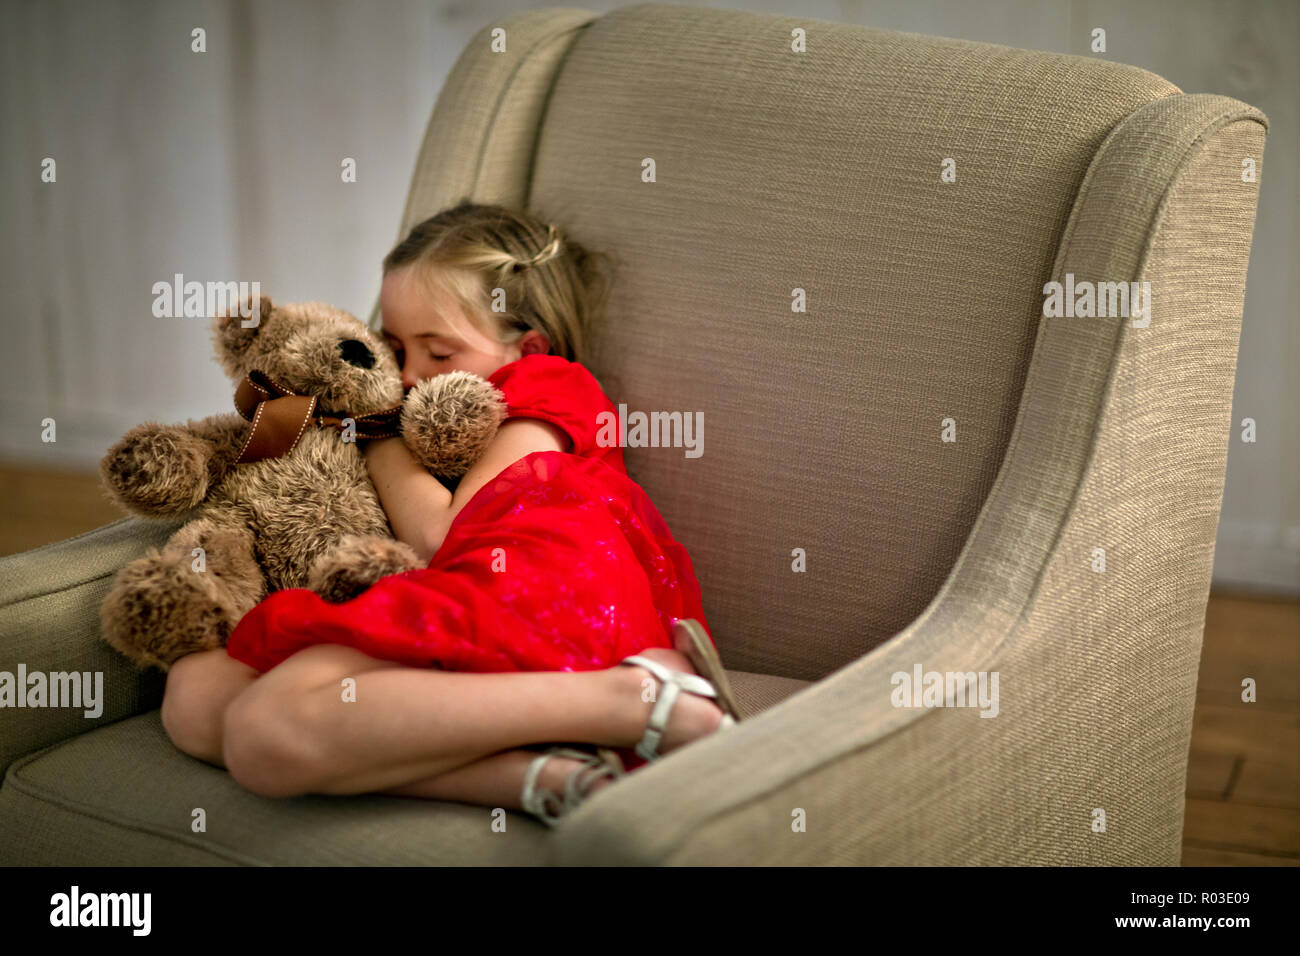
161,471
226,433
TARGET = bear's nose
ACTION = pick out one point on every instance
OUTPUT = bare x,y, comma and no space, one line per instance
357,353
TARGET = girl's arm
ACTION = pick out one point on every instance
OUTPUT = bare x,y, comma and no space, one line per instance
419,508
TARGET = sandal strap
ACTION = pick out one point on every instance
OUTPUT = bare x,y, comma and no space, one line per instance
547,805
657,725
582,779
672,683
692,683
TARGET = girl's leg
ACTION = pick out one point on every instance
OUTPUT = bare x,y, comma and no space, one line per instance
292,731
495,781
498,780
200,686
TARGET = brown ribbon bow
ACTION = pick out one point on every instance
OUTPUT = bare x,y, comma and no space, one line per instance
280,416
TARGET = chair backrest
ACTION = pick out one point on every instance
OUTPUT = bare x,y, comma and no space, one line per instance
839,262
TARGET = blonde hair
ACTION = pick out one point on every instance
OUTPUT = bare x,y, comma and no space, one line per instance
551,283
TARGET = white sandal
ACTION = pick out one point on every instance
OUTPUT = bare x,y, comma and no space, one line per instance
548,806
690,638
672,683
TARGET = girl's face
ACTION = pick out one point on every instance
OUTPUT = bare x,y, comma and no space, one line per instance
430,333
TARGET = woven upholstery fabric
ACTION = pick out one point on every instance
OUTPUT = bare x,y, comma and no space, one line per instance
124,795
1121,444
49,621
821,171
755,693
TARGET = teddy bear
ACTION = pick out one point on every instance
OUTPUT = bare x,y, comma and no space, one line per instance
276,494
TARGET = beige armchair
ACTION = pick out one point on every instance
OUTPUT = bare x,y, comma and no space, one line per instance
840,535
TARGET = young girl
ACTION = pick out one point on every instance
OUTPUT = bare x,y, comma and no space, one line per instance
548,561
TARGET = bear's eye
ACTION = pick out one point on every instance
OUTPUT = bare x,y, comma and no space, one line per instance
357,353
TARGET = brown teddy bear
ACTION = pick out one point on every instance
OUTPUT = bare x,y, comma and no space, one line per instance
276,495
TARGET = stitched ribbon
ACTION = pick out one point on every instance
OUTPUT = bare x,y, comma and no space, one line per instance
280,416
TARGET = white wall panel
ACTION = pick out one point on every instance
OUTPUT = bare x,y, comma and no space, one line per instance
225,166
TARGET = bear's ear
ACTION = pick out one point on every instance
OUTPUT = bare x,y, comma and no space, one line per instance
235,331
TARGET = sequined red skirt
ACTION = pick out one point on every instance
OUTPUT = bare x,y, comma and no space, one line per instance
559,563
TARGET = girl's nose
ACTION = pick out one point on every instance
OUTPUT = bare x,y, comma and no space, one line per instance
409,381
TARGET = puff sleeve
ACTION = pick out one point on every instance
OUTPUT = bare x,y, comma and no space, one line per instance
566,394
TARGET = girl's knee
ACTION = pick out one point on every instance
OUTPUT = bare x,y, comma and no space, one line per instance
270,742
198,686
276,734
187,726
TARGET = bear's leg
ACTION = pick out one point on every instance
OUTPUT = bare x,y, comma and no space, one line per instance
186,597
357,562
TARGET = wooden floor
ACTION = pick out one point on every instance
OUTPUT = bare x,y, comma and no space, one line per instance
1243,777
39,506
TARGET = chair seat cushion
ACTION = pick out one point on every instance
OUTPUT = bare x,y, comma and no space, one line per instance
755,693
123,795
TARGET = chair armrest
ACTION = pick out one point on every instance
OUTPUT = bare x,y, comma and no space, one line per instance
49,622
1120,444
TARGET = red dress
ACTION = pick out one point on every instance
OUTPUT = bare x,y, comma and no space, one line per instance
561,562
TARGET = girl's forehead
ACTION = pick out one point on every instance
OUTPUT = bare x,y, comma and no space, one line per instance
414,306
426,324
